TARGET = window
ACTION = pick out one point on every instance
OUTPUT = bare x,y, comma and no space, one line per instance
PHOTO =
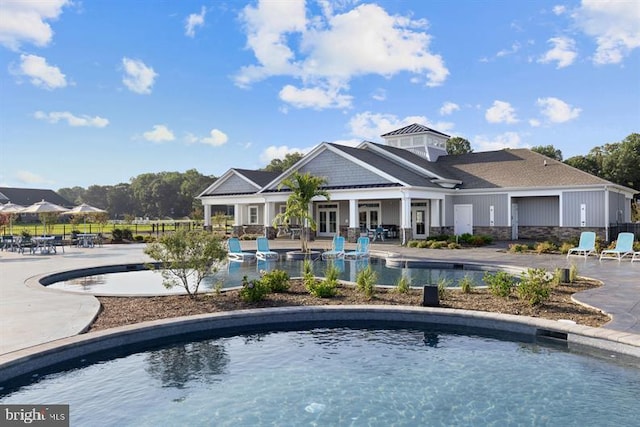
253,214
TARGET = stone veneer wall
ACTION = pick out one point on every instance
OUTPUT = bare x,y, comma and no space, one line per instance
556,234
497,233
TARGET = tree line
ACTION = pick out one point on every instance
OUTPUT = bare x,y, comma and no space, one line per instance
173,194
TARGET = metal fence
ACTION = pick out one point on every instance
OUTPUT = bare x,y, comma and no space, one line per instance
629,227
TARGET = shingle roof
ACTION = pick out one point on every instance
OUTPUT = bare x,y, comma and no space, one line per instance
414,128
513,168
29,196
261,178
417,160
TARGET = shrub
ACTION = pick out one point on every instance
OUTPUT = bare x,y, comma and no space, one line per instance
545,247
403,285
466,284
253,291
556,279
443,285
423,244
564,248
308,278
573,273
535,286
438,245
518,248
454,245
276,280
500,284
412,244
326,288
366,281
120,234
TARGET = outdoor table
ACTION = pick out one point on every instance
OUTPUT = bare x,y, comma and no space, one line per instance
44,244
86,240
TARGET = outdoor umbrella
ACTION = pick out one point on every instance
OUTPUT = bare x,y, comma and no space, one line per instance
84,210
44,207
10,209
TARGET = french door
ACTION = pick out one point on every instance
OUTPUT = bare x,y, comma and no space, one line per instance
328,219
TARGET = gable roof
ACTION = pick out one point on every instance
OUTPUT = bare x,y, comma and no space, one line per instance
29,196
413,129
512,168
239,181
259,177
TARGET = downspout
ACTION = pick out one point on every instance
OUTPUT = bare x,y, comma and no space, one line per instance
606,213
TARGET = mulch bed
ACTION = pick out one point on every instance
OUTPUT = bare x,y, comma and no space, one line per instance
119,311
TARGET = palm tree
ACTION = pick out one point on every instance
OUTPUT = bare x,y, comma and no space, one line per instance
304,187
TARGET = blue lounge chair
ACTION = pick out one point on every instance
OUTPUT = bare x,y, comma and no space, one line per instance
586,246
624,247
635,257
263,251
235,251
362,249
337,249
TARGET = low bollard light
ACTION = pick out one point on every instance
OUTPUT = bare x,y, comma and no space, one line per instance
430,296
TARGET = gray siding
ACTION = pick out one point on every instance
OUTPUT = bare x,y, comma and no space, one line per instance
234,184
340,171
571,201
481,207
448,211
538,211
390,212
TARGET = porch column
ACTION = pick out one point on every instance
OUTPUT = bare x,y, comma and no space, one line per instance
435,217
354,225
269,215
405,219
207,217
237,220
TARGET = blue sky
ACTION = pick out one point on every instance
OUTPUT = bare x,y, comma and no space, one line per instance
98,92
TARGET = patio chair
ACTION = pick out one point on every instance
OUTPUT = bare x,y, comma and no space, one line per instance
635,257
624,247
57,243
26,243
362,249
337,249
586,246
235,251
263,251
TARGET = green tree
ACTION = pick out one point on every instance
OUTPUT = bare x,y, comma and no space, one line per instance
549,151
281,165
304,187
458,145
187,256
584,163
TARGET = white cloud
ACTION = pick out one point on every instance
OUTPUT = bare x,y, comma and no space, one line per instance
501,112
369,126
615,26
498,142
534,123
216,138
448,108
556,110
41,74
194,20
138,77
316,98
563,51
71,119
504,52
279,152
31,178
379,95
26,22
559,9
371,41
160,133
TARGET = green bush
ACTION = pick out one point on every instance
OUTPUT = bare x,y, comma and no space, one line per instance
326,288
518,248
412,244
120,234
423,244
564,248
535,286
545,247
443,288
366,281
276,280
500,284
466,284
573,273
253,291
438,245
403,285
454,245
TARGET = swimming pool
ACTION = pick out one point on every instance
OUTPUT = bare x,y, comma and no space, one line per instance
345,375
137,280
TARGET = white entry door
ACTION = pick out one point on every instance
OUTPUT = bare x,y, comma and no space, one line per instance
462,219
420,220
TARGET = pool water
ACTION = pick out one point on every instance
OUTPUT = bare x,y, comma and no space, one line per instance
230,275
345,376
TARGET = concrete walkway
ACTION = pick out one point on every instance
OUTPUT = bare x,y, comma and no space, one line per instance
32,315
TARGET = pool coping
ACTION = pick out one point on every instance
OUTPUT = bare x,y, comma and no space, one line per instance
33,359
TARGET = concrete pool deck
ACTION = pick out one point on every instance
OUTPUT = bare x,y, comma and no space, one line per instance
33,315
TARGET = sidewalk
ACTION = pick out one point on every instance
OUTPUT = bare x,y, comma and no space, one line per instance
32,315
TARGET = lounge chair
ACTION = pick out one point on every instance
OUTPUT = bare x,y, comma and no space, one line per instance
235,251
337,249
586,246
635,257
263,251
362,249
624,247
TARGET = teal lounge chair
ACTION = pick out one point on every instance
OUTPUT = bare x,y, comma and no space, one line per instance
235,251
624,247
635,257
337,249
362,249
263,251
586,246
